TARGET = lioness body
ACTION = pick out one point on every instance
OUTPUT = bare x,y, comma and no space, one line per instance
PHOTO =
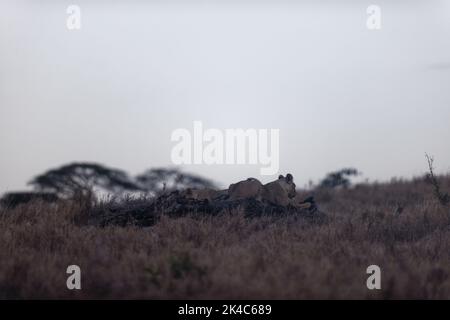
278,192
203,194
250,188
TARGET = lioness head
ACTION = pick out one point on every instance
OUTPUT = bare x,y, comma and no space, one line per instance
287,183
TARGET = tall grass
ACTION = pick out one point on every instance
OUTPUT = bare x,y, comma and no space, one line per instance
398,226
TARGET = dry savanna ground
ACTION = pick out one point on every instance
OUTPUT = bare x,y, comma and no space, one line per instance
399,226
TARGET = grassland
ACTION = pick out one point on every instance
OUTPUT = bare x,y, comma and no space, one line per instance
399,226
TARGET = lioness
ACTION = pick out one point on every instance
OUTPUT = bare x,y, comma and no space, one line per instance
280,192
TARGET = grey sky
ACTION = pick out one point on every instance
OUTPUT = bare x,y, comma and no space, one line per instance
113,92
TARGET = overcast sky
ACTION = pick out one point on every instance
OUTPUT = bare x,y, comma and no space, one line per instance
114,91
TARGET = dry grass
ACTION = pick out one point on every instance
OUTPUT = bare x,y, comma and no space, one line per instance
399,226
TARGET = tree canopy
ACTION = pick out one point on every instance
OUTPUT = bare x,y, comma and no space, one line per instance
83,177
159,179
340,178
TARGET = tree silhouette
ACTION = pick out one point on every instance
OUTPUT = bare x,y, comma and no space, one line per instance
162,179
83,178
340,178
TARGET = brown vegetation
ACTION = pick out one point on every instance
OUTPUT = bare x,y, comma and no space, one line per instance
399,226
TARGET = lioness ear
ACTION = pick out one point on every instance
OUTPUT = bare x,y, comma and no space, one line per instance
280,176
289,177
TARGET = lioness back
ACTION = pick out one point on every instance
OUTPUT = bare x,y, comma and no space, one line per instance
250,188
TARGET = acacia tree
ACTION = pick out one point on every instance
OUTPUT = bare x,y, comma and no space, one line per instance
162,179
83,178
340,178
